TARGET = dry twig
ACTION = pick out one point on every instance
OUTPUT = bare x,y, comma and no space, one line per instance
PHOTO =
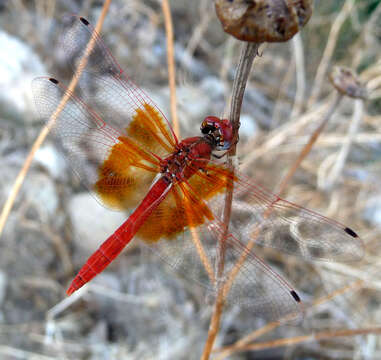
307,148
248,53
171,65
341,157
322,335
328,51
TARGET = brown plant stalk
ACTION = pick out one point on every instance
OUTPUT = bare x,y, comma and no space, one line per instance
328,51
321,335
46,129
174,119
248,53
171,65
313,138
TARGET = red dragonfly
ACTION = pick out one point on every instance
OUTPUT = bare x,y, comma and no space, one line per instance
126,153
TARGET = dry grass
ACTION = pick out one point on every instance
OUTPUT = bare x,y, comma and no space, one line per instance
151,313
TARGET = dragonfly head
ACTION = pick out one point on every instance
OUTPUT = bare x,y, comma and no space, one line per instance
220,130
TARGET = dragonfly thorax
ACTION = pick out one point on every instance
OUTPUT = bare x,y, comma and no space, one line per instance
191,155
219,131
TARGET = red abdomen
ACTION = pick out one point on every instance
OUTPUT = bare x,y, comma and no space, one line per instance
112,247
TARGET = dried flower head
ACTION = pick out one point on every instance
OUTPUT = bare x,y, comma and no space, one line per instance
347,82
263,20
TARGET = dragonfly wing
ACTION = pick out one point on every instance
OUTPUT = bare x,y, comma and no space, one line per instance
112,165
108,90
271,221
185,234
252,285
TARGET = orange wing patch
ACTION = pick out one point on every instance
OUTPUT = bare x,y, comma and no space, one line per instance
149,129
125,177
165,220
211,181
184,205
170,218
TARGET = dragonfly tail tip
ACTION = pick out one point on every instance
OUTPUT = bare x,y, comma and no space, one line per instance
70,290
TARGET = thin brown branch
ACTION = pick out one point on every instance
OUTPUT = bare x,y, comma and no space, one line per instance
328,51
300,73
205,15
171,65
46,129
343,154
307,148
57,240
62,250
280,135
322,335
201,253
248,53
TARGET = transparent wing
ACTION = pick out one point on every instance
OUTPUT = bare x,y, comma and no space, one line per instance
272,221
112,165
250,283
108,90
113,133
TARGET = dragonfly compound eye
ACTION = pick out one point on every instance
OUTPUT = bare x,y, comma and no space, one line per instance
207,127
220,130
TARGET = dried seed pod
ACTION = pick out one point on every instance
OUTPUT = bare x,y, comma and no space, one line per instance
263,20
347,83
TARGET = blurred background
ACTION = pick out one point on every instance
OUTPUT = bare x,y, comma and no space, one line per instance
138,308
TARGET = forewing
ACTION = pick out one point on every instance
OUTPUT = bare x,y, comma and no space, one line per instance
113,167
107,89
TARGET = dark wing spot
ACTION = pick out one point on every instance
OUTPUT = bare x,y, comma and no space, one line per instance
84,21
350,232
54,81
295,295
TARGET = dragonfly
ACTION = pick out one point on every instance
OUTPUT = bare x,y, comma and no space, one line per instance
125,151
